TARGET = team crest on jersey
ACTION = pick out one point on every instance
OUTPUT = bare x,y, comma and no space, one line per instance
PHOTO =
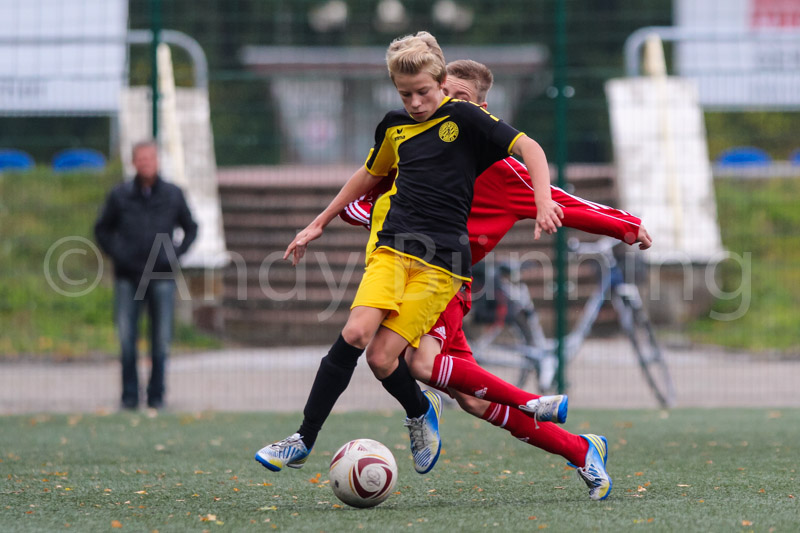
448,132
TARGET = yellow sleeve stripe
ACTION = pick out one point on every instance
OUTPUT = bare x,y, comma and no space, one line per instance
514,141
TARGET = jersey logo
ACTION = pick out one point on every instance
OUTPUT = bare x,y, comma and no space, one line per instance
442,332
448,132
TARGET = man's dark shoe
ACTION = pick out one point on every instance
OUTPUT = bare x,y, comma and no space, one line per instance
155,403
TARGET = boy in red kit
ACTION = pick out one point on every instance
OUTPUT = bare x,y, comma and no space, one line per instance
503,195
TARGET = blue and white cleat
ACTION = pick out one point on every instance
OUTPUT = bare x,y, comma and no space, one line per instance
593,473
424,434
290,452
547,408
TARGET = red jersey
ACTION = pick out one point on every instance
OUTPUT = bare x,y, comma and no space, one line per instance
504,195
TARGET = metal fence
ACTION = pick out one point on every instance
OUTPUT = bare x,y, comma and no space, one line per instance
265,108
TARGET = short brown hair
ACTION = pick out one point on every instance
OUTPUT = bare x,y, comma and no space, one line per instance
147,143
478,73
416,53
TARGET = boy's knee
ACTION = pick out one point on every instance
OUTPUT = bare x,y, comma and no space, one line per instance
472,405
380,364
357,335
420,368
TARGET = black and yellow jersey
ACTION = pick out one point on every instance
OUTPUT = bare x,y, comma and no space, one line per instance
425,213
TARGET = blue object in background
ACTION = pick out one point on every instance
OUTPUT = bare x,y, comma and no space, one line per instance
794,157
13,159
741,156
78,159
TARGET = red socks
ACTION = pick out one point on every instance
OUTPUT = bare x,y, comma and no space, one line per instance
548,436
469,378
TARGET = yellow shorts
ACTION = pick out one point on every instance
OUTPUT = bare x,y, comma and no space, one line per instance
413,292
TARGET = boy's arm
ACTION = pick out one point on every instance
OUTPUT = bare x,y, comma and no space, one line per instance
549,214
359,183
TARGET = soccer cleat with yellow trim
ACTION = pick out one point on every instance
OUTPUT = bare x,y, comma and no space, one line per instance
593,473
547,408
290,452
423,432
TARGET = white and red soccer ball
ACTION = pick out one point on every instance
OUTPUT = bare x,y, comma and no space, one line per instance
363,473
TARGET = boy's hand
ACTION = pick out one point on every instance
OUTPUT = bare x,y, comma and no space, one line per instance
548,218
643,238
297,248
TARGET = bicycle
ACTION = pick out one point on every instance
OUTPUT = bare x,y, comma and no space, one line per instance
518,340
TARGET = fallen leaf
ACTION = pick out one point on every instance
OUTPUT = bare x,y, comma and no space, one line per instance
681,485
747,523
141,492
638,473
531,518
116,524
641,489
761,491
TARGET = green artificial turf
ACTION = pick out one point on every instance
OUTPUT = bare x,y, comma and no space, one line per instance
688,470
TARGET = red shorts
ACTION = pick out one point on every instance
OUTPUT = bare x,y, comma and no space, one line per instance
449,332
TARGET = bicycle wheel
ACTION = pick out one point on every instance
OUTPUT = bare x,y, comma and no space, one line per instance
648,353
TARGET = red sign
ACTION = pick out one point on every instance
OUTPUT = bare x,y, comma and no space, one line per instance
775,14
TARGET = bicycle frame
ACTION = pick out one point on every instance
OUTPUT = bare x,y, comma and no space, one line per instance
540,351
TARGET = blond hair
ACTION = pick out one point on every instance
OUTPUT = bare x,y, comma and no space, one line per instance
416,53
477,73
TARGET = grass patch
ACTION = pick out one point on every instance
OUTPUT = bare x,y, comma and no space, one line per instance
694,470
759,217
37,210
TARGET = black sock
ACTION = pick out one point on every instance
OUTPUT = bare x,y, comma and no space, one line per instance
405,389
333,376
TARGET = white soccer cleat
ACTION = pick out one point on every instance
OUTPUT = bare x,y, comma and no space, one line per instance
424,435
290,452
547,408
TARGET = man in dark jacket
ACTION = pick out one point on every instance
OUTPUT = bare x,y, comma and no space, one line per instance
135,229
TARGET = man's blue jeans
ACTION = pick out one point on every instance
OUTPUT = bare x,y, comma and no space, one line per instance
159,297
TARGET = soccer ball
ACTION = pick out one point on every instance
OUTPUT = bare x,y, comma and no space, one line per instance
363,473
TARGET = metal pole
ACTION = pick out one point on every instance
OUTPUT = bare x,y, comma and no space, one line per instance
560,81
155,27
